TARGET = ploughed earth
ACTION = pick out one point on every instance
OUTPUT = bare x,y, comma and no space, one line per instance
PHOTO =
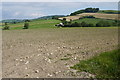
44,53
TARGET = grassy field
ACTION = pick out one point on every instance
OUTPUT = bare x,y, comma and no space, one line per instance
36,24
106,65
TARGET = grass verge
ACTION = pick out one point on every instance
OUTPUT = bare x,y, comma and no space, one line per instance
106,65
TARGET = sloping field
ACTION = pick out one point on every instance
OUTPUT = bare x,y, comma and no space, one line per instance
44,53
36,24
97,15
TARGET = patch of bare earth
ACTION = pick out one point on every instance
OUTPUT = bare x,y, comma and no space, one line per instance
47,53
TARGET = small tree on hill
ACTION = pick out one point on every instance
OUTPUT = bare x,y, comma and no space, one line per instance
26,25
64,21
6,26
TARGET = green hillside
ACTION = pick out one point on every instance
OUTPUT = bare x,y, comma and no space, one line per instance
51,17
36,24
43,23
87,10
94,10
12,21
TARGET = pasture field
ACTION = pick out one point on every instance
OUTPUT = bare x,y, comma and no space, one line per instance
50,52
35,24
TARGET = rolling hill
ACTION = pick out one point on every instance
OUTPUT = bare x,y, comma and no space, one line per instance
50,17
12,20
97,15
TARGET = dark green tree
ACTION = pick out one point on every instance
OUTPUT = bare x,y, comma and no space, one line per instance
6,27
14,22
64,21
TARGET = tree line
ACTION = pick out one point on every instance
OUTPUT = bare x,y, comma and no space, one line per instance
87,10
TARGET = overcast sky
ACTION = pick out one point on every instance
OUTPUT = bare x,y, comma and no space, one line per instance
60,0
30,10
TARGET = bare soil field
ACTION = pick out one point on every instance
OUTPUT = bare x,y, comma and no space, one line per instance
44,53
97,15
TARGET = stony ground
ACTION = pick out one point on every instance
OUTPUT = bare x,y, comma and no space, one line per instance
47,53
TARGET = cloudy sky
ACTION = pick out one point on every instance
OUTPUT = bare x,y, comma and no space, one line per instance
30,10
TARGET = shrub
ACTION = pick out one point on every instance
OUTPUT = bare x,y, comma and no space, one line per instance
26,25
88,17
